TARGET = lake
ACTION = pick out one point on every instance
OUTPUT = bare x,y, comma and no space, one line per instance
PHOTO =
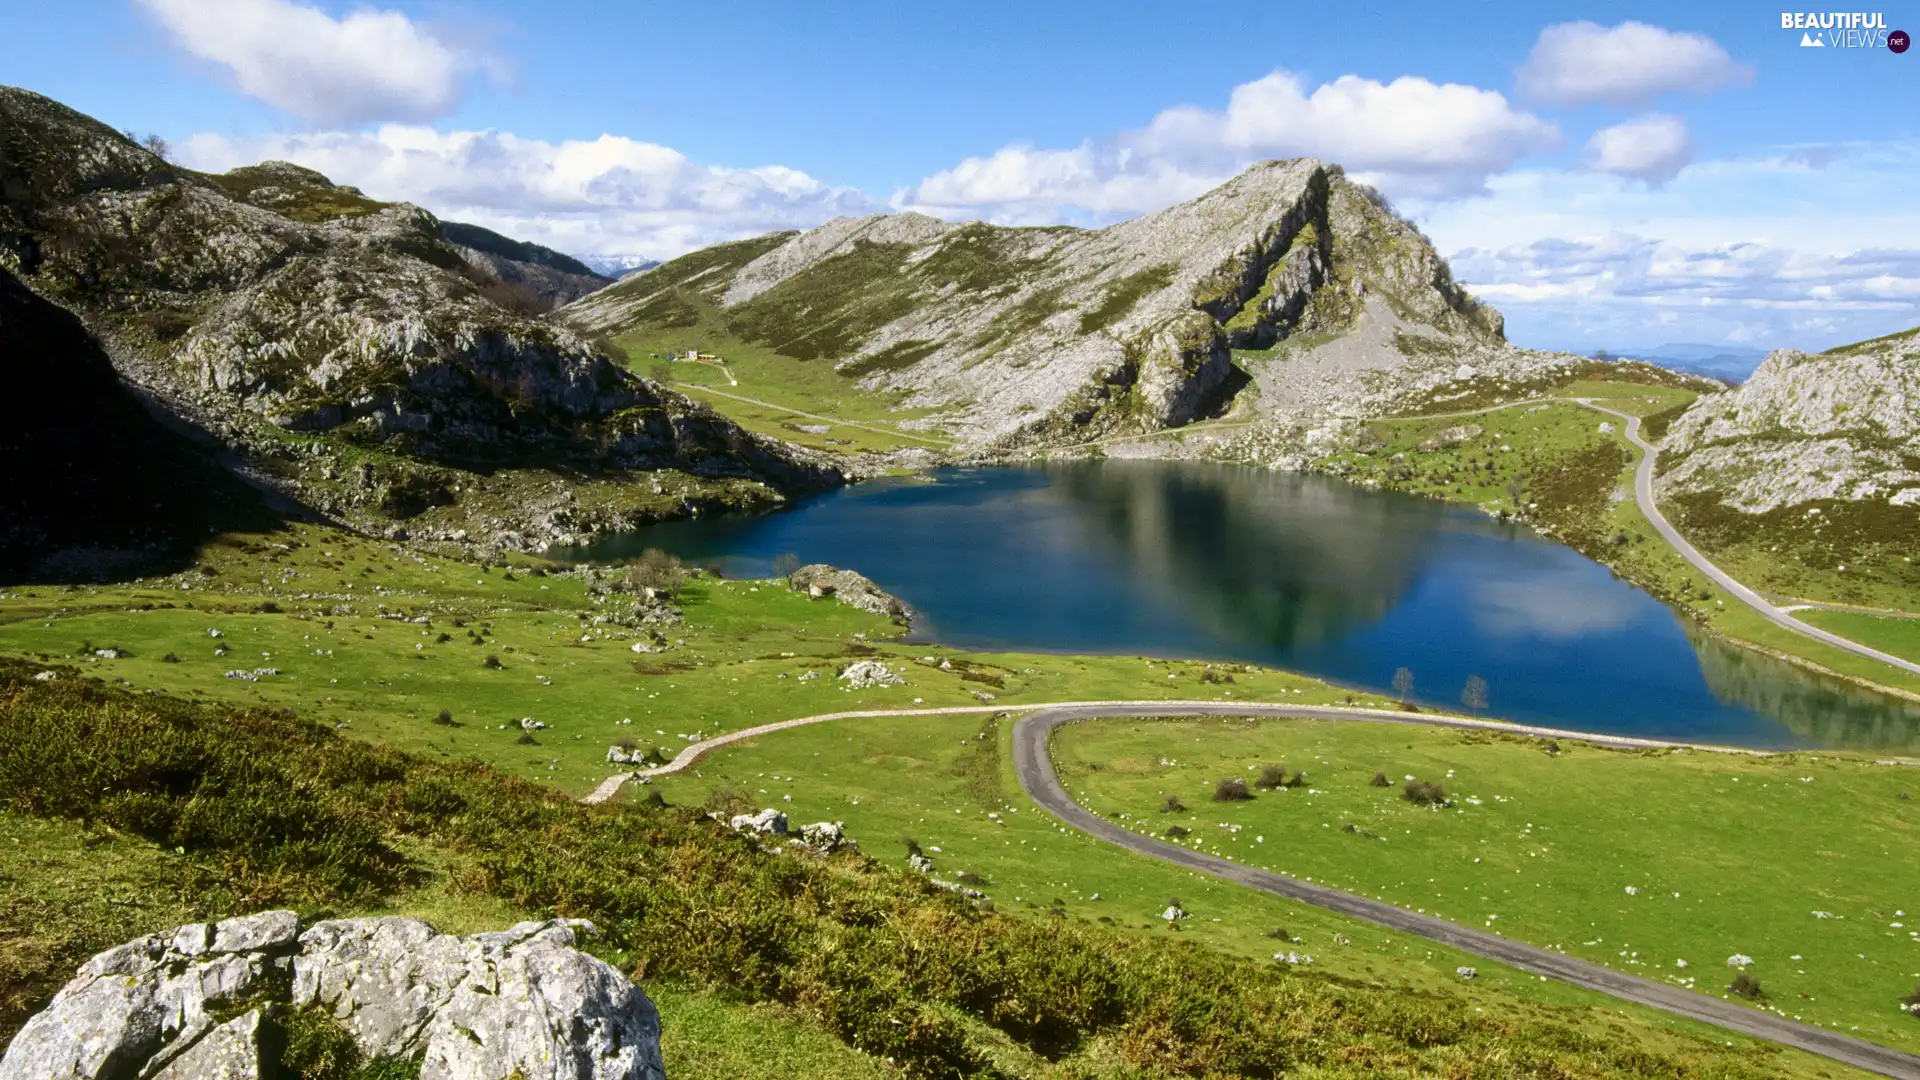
1182,559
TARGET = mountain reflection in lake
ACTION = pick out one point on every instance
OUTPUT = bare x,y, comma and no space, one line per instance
1228,563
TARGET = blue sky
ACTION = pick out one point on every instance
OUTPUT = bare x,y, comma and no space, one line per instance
1608,174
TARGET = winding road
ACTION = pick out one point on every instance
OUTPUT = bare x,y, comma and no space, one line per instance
1643,495
1034,765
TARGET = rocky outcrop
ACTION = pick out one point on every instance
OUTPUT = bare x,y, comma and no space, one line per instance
1841,425
1033,337
851,588
210,1001
316,332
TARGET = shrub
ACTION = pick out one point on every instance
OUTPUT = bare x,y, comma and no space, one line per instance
1425,793
1231,789
913,846
170,658
1745,986
1279,933
1271,777
445,719
1380,780
785,563
526,739
268,607
1912,1003
657,571
443,638
1173,805
492,663
627,745
1175,832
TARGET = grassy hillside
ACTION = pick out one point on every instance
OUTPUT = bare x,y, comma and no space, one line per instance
1660,864
214,810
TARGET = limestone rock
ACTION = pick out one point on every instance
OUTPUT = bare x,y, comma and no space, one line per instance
862,674
851,588
522,1002
765,823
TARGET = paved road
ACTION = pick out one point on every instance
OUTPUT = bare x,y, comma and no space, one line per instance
695,751
1643,494
1034,765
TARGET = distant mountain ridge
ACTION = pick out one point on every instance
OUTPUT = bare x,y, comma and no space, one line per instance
1731,363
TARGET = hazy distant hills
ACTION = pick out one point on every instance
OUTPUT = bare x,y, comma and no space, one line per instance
1733,363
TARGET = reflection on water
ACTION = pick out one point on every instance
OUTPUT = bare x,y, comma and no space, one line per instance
1188,559
1822,711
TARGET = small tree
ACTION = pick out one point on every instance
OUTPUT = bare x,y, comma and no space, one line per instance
656,571
785,563
1403,684
1746,986
1474,694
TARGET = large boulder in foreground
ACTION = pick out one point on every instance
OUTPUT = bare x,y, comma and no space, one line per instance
214,1001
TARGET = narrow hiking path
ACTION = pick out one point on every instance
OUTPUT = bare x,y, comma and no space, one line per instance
1033,766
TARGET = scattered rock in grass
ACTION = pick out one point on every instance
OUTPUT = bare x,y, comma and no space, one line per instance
826,837
1293,958
1737,960
46,676
920,863
1466,972
862,674
1174,912
767,822
528,723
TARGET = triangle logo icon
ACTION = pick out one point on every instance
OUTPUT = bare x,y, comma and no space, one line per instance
1808,41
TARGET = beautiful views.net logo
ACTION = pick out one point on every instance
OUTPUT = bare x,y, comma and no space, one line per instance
1845,30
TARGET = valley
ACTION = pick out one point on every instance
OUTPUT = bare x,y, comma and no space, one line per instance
360,562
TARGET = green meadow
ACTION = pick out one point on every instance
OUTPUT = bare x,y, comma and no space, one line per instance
1659,863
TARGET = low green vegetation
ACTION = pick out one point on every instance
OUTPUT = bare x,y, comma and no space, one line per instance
1121,296
1896,634
254,807
1662,864
1830,550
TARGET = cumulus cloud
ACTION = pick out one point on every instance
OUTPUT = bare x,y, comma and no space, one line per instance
606,196
1410,136
1578,63
368,66
1653,148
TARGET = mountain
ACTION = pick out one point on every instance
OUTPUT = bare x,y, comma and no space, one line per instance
548,276
615,267
1809,471
1290,291
351,352
1839,425
1730,363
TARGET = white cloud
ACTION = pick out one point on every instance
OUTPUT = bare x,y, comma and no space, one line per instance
1582,62
1653,148
368,66
1773,251
610,195
1410,136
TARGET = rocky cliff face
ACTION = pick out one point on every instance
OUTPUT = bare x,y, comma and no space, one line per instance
1841,425
1290,278
332,339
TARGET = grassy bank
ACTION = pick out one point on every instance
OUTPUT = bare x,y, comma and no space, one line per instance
1662,864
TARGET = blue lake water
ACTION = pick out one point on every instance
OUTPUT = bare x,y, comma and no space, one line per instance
1307,573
